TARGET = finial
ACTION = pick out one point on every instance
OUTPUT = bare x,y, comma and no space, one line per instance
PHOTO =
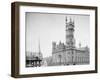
70,20
66,19
79,45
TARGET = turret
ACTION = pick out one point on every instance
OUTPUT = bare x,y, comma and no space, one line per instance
79,45
70,41
53,46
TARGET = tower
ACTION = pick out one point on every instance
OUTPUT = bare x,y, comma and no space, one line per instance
70,41
53,47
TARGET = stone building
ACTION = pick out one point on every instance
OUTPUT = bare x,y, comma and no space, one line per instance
67,53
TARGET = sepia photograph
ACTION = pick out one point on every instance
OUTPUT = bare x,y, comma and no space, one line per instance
53,39
57,39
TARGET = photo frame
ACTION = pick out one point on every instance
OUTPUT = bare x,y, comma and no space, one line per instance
45,38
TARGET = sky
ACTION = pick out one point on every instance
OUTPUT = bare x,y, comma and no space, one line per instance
44,28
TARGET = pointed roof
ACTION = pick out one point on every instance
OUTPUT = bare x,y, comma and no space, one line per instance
39,46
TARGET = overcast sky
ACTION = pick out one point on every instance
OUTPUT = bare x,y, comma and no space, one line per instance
45,28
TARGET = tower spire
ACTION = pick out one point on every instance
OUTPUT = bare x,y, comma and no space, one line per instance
39,52
70,42
70,19
39,46
66,19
